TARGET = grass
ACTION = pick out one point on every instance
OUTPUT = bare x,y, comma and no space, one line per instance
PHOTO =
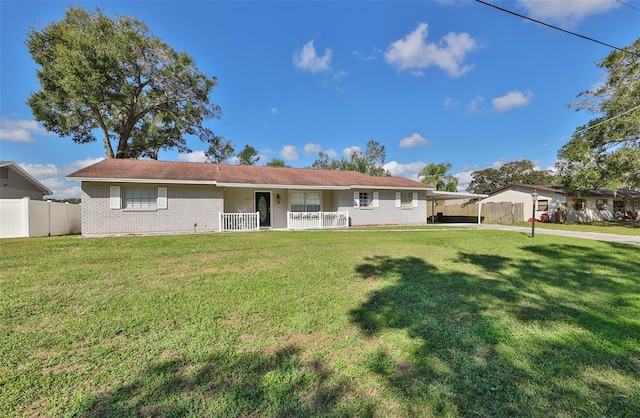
358,323
605,227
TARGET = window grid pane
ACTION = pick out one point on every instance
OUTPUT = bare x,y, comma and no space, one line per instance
140,198
365,200
406,200
543,205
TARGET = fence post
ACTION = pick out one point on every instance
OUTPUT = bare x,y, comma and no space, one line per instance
219,221
26,201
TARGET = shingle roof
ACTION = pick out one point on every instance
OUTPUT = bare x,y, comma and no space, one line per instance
128,170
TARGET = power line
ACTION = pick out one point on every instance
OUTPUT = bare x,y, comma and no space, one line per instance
523,153
629,5
557,28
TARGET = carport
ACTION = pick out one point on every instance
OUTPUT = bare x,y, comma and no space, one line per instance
435,195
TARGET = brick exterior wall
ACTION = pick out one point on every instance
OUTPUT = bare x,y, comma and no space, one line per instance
386,213
186,205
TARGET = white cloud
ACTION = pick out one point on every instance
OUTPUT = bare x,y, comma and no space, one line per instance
53,176
312,148
409,170
193,157
512,99
41,170
474,104
464,178
450,102
415,54
566,12
415,140
348,151
19,130
289,153
79,164
331,153
274,110
309,60
368,56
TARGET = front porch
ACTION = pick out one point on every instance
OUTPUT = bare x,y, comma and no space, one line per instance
238,222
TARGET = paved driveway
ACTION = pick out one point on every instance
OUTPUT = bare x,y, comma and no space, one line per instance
619,239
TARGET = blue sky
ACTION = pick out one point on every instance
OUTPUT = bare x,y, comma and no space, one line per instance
433,81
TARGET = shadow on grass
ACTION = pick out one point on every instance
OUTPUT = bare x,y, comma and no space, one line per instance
550,335
229,384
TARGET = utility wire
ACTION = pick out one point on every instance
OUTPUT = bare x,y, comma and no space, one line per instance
557,28
629,5
558,140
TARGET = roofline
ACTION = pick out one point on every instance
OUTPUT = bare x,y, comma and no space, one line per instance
245,185
134,180
28,176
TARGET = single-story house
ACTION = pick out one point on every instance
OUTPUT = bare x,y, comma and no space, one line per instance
16,183
561,206
125,196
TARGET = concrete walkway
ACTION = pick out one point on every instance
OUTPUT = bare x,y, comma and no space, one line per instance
619,239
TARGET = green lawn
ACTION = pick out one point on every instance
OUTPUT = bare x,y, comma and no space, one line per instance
336,323
605,227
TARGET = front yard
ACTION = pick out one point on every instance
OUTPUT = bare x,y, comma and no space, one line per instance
328,323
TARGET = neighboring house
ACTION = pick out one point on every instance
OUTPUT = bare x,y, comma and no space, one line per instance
560,205
23,213
125,196
16,183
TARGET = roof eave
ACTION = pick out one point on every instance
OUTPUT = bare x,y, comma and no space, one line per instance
139,180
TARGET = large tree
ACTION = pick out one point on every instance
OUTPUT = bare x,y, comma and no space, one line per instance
436,175
248,156
516,172
370,162
112,75
606,151
219,150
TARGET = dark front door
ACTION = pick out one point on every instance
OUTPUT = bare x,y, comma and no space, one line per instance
263,207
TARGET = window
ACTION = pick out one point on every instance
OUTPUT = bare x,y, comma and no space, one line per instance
579,204
618,206
305,202
4,173
406,200
366,199
602,204
140,198
543,205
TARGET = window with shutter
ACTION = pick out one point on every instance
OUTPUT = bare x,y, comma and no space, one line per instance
114,197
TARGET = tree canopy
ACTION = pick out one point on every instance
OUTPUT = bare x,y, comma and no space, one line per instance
219,150
436,175
516,172
248,156
276,162
370,162
606,151
112,75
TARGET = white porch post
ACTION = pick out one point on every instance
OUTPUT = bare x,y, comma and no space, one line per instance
479,211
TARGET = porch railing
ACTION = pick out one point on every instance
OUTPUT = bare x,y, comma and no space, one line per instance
317,220
239,221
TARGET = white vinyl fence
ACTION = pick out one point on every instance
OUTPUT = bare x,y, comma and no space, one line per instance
317,220
23,218
239,221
